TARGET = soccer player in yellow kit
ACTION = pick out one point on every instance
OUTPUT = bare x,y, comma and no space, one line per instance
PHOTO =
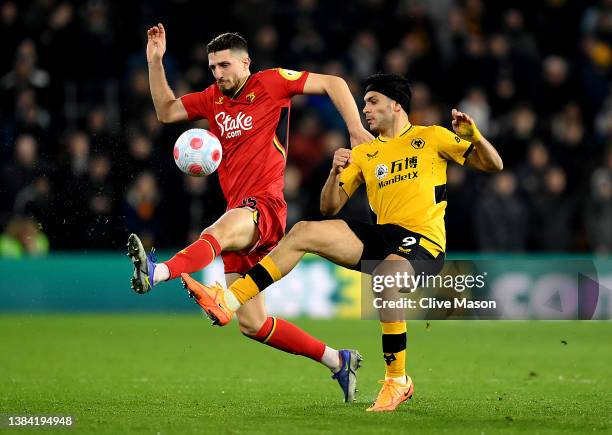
404,170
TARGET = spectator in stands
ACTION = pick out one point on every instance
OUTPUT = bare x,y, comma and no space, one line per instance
23,236
70,181
552,214
203,204
103,139
460,194
21,172
516,131
138,95
141,208
555,89
532,172
100,203
294,195
475,103
139,156
599,214
306,146
363,55
500,221
25,73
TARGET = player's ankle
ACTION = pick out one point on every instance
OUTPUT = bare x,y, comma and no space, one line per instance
331,359
401,380
231,300
161,273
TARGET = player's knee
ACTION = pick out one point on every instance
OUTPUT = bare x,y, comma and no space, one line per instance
208,230
301,232
217,234
250,327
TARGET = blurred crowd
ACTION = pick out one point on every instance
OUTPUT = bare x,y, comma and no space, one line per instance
84,160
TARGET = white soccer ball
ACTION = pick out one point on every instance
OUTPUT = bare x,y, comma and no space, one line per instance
197,152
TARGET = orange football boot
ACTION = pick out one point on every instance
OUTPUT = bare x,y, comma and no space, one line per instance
391,395
211,299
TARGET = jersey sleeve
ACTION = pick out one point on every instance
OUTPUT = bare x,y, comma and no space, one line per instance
284,83
352,177
198,104
451,146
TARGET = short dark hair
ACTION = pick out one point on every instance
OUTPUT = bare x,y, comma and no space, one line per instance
227,41
393,86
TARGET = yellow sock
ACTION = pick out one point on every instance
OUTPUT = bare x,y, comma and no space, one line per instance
394,348
257,279
271,267
244,289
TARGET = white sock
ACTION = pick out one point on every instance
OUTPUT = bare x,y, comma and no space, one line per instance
162,273
230,299
402,380
331,359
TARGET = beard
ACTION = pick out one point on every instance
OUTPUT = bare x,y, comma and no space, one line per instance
228,91
229,87
375,130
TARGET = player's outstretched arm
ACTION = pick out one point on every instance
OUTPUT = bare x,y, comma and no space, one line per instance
484,156
167,106
333,197
340,94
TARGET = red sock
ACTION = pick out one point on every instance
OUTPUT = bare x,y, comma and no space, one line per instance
194,257
289,338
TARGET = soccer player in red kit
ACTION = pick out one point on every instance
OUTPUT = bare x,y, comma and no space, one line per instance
249,113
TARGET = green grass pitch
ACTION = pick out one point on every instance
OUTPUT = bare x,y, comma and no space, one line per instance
175,374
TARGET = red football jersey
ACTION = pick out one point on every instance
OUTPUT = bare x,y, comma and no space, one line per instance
253,128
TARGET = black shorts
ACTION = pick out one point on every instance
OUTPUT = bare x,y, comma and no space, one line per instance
379,241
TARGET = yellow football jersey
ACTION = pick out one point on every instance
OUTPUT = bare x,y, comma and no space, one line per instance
405,177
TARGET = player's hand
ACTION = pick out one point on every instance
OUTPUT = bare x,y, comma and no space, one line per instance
156,44
342,158
465,127
360,135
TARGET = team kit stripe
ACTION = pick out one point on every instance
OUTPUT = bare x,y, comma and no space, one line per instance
271,330
394,343
261,277
281,136
431,241
279,147
468,151
211,246
440,193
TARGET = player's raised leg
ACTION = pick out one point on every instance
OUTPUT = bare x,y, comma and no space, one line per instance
233,231
332,239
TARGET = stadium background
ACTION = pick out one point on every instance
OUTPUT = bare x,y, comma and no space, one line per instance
84,162
84,156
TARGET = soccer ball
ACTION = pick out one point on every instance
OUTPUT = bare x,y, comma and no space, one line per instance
197,152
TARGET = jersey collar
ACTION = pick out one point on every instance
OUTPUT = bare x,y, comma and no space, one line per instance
404,130
242,86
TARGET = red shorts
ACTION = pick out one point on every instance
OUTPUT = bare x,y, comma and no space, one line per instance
270,215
